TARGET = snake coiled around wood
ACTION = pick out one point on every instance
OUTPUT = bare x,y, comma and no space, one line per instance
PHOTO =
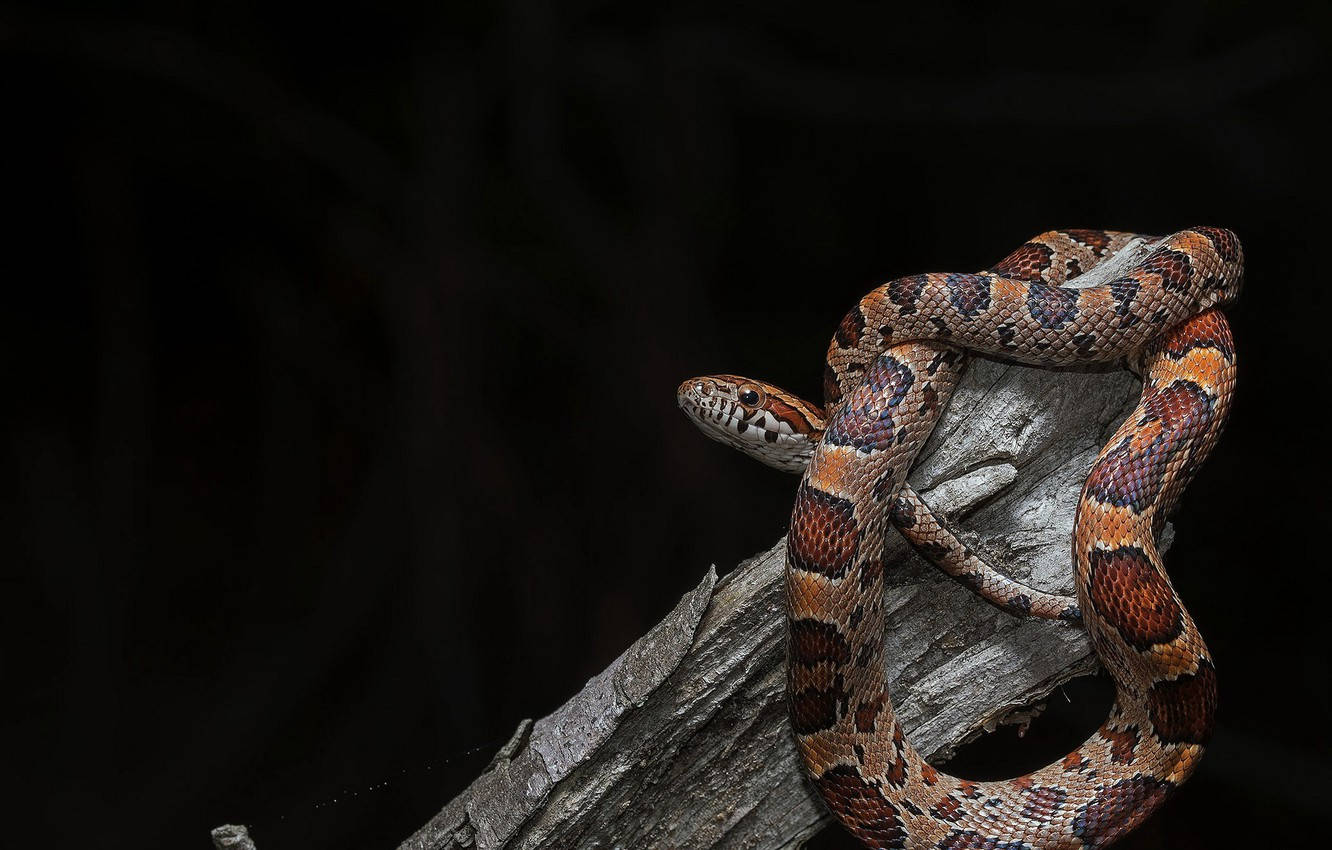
890,371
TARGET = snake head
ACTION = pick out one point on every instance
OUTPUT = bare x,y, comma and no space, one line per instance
763,421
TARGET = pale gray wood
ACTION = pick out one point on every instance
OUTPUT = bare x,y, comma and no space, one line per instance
232,837
683,741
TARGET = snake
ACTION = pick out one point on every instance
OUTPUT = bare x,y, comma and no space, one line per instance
1066,299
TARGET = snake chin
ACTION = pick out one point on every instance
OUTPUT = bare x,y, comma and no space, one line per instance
718,409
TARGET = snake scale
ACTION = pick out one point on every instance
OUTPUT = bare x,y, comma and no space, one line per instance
1153,307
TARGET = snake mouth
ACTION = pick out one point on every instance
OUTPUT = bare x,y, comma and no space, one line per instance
716,419
778,446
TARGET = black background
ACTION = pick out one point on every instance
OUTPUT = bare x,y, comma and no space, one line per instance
342,347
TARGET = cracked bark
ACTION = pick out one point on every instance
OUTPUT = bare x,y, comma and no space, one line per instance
683,741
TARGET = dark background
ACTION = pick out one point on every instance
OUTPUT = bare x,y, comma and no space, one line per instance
342,348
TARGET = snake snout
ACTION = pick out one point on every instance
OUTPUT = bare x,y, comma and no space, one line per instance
696,393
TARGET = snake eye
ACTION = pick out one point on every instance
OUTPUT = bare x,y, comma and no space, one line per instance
749,397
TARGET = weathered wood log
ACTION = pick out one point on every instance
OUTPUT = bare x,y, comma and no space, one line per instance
683,741
232,837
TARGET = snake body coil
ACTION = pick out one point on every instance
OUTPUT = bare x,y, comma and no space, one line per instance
890,371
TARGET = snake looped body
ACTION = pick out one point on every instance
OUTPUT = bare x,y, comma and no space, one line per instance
1064,299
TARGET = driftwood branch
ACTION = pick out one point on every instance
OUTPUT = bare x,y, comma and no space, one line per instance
232,837
683,741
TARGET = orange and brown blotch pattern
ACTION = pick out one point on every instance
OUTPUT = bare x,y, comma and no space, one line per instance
1225,242
947,809
1206,331
823,537
862,809
906,292
868,422
1183,709
1131,474
968,293
814,709
867,714
832,389
1052,306
1027,263
1118,809
1174,269
1123,743
1043,803
851,328
1131,594
813,641
1123,291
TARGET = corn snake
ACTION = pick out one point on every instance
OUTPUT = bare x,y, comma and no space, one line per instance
890,370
